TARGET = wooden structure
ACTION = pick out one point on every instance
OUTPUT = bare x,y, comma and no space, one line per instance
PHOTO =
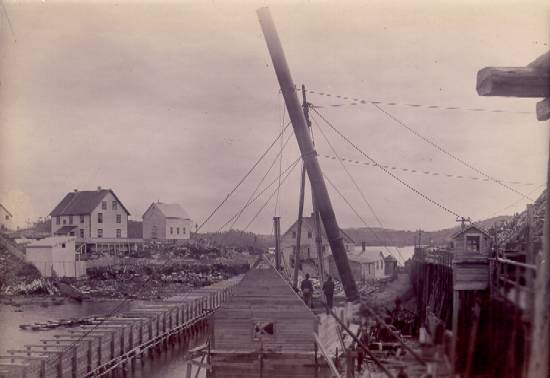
118,342
531,81
264,330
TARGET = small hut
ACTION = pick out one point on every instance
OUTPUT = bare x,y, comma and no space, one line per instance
471,239
264,330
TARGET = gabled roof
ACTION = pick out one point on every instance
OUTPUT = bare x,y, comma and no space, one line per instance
309,222
6,210
64,230
470,227
82,202
367,256
170,210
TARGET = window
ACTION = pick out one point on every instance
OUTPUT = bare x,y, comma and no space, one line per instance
57,220
118,218
115,205
71,233
82,219
104,205
178,230
70,219
81,232
264,330
99,233
184,231
171,230
473,243
293,234
308,253
64,221
62,245
99,217
118,233
154,232
309,234
7,217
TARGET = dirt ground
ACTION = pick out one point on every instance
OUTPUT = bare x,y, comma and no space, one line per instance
383,296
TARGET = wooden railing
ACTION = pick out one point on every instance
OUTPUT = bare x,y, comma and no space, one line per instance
106,345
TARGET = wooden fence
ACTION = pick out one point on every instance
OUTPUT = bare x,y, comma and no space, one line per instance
119,342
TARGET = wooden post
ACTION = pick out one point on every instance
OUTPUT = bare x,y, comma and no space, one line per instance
277,228
318,242
297,254
309,155
456,305
538,362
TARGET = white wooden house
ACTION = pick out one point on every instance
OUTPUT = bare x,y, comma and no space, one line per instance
166,221
308,251
367,264
90,215
55,256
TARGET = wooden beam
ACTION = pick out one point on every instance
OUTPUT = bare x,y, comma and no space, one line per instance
513,82
335,372
543,109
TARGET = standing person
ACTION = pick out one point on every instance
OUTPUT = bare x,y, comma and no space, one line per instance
307,290
328,289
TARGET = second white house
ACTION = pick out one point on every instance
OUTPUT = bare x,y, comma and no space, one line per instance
166,221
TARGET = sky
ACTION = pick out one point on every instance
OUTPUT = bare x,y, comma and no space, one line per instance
175,101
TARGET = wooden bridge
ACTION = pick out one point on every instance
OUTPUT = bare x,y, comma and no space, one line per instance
117,343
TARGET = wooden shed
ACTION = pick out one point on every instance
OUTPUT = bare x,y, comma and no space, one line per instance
264,330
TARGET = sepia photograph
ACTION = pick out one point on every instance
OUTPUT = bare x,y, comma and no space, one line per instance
274,189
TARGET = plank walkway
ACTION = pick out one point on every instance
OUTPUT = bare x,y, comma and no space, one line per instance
119,342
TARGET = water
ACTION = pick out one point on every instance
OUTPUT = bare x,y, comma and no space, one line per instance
170,364
398,252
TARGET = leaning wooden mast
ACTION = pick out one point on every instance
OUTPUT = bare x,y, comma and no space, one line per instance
309,155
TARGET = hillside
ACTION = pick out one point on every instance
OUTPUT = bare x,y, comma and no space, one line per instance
372,236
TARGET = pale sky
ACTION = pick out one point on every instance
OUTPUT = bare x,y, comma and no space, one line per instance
175,101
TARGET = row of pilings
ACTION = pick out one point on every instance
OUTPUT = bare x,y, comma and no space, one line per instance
492,333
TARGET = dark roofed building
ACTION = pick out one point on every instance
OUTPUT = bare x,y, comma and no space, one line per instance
90,214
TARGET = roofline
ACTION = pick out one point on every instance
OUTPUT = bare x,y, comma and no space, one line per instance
154,203
341,230
467,228
7,211
110,190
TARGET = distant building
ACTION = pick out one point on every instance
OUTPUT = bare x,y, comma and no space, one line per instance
166,221
390,265
308,249
97,214
6,219
471,239
368,264
55,257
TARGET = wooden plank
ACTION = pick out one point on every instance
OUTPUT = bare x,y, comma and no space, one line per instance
513,82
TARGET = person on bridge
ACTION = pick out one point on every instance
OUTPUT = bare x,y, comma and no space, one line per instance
307,291
328,290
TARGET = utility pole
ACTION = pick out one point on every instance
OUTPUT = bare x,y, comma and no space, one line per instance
309,155
316,217
297,258
277,227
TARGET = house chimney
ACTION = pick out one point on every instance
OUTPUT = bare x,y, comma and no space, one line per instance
363,246
99,188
